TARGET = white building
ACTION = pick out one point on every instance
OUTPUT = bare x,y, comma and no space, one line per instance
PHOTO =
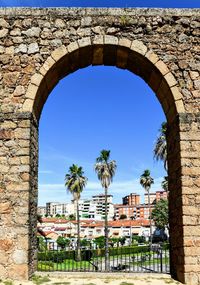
95,208
55,208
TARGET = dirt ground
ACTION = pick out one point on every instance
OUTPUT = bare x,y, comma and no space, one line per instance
95,279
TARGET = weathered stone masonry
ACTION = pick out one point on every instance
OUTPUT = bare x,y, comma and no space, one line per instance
38,47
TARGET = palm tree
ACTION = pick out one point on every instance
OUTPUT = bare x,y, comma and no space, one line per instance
75,182
146,181
164,184
105,170
160,149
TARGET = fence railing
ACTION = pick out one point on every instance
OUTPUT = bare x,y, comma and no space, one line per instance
121,259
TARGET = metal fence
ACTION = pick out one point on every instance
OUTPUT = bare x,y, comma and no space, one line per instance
121,259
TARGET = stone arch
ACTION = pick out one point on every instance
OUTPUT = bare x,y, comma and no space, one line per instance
105,50
137,58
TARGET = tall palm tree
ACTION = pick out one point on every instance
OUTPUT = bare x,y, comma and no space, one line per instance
105,170
146,181
160,149
75,182
164,184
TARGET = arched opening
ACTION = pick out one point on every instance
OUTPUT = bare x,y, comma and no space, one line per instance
134,56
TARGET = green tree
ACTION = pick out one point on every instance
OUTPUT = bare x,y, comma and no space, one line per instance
160,149
100,241
123,217
62,242
105,170
85,242
75,182
160,214
72,217
146,181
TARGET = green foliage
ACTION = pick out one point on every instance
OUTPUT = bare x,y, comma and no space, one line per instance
123,217
85,242
160,214
42,246
56,256
160,149
72,217
62,242
8,282
139,239
122,240
100,241
164,183
40,279
75,181
146,180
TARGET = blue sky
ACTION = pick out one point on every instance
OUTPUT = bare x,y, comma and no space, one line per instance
103,3
97,108
92,109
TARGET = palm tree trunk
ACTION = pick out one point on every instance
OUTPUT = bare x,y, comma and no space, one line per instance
150,240
78,250
106,232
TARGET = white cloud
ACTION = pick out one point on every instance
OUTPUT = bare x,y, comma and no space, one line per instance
45,171
58,193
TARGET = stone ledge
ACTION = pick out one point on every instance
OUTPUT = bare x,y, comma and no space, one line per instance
17,116
67,12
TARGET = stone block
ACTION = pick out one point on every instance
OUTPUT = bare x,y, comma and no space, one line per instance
47,65
5,207
58,53
36,79
124,42
6,244
18,271
150,55
110,40
72,47
84,42
138,47
162,67
98,40
28,105
171,81
97,58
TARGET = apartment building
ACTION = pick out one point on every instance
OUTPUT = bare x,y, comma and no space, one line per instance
132,212
95,208
55,208
131,199
155,197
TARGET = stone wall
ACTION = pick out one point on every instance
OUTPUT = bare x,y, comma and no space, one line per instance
38,47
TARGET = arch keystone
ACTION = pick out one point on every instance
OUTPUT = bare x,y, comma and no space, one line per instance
138,47
98,40
110,40
84,42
